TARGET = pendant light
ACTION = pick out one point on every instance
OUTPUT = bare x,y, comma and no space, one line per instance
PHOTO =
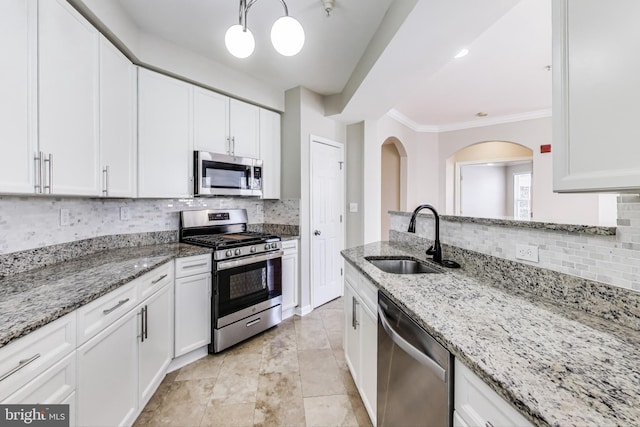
287,35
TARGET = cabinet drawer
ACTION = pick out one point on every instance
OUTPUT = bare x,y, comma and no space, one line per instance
24,359
52,386
290,246
369,294
352,276
154,280
98,314
193,265
478,405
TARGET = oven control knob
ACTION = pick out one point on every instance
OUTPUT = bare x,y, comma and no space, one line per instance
228,253
253,249
267,246
238,252
274,246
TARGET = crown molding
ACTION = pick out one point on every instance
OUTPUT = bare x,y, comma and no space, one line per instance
511,118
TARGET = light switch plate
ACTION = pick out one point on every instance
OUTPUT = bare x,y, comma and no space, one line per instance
125,214
65,218
527,252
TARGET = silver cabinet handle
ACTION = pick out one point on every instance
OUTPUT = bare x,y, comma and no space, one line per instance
50,161
105,185
158,279
141,314
146,322
253,322
233,144
317,232
21,364
194,265
120,303
354,306
488,424
229,145
411,350
37,171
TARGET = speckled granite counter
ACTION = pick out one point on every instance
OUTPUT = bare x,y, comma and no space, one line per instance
558,366
34,298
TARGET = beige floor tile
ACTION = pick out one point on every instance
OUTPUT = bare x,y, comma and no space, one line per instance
207,367
178,415
319,373
194,392
251,346
237,381
310,334
336,339
336,304
333,320
144,418
362,416
219,414
323,411
279,400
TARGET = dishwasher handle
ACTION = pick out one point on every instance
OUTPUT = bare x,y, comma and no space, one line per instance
411,350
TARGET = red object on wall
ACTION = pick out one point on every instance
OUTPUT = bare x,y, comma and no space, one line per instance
545,148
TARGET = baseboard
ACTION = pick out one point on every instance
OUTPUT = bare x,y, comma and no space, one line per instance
303,311
185,359
288,313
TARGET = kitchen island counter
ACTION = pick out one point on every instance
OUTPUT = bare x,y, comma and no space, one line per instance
558,366
34,298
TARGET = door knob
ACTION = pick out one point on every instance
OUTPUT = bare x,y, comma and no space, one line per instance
317,232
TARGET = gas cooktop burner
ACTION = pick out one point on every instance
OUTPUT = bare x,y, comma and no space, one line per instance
225,231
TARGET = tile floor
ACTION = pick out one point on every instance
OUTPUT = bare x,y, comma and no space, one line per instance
292,375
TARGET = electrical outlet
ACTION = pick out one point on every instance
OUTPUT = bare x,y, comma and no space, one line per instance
125,214
65,218
527,252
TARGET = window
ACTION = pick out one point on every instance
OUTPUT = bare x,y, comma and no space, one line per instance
522,196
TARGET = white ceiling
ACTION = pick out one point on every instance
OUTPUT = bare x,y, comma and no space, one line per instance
415,76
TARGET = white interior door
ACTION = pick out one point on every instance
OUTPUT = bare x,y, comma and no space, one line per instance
327,211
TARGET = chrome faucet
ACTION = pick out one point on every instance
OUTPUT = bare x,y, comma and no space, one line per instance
435,249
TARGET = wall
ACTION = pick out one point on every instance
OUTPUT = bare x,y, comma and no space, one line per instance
614,260
34,222
355,175
483,192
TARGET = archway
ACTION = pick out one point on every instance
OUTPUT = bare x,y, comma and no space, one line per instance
393,183
491,179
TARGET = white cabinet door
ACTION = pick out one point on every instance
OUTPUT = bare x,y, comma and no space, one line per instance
18,89
270,153
244,129
156,342
192,313
118,95
289,275
368,360
351,332
107,392
68,92
210,121
595,95
165,145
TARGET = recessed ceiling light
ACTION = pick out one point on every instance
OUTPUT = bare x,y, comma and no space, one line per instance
482,114
462,53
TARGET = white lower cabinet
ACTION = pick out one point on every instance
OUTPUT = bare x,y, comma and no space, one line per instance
361,337
289,277
108,375
193,304
476,404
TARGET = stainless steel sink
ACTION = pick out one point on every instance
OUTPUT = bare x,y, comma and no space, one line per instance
401,265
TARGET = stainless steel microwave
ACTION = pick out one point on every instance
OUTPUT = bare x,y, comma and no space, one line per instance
222,175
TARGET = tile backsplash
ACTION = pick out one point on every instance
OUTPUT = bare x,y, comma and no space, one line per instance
613,260
34,222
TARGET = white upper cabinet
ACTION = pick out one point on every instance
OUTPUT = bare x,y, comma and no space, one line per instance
118,95
244,129
18,109
165,139
595,95
68,92
210,121
270,153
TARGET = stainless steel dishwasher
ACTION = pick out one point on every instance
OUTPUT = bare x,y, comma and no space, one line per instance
415,381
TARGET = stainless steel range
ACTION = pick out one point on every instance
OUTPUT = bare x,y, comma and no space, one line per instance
247,274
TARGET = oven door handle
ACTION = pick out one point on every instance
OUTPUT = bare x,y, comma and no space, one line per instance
225,265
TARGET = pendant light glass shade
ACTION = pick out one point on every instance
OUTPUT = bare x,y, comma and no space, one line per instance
240,42
287,36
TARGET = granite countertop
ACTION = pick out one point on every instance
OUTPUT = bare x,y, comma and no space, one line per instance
558,366
285,237
34,298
